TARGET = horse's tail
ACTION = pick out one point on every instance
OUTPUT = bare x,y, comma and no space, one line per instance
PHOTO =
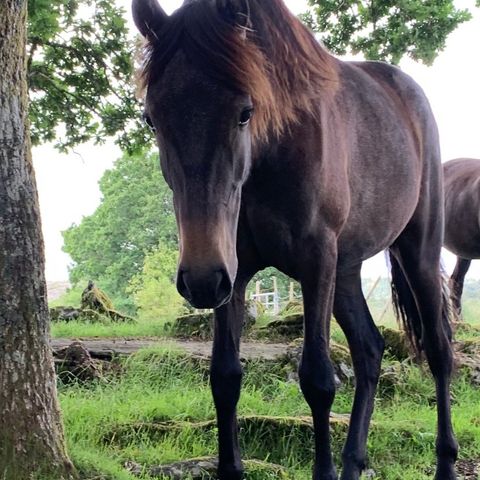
406,309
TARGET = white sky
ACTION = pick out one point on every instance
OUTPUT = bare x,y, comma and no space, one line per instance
68,184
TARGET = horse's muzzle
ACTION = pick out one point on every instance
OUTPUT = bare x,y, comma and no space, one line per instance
208,289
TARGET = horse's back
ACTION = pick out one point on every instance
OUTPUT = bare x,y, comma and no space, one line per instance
462,207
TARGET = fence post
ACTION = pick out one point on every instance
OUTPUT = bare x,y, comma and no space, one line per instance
276,306
374,286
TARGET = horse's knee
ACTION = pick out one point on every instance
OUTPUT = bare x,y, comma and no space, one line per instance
317,381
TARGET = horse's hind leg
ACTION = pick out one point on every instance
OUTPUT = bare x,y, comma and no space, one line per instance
418,253
366,347
456,283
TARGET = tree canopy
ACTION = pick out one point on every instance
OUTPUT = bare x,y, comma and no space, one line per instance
81,58
136,213
80,69
385,30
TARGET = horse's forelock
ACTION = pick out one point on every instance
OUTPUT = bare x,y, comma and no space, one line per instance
274,58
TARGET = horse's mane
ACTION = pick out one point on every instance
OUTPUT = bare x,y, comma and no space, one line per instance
274,58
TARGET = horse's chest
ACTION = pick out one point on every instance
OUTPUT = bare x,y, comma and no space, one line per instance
280,228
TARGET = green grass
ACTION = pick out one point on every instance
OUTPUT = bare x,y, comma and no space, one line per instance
85,329
164,385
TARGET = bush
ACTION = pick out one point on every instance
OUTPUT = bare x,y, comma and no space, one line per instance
154,289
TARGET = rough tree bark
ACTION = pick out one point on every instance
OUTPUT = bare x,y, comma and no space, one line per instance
31,432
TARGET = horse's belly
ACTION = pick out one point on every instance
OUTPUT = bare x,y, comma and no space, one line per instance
375,227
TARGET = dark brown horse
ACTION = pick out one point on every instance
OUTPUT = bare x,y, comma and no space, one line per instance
462,219
279,154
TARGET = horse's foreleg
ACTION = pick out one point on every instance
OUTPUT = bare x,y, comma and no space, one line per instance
316,371
225,379
366,347
456,283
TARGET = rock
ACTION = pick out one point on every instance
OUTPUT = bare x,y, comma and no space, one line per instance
197,325
75,363
470,364
200,325
203,468
396,343
339,354
389,378
468,347
64,314
253,309
292,307
288,327
96,300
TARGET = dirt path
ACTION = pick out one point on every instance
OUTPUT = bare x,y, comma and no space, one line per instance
107,347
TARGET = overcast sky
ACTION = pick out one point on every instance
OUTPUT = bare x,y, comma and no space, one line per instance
68,184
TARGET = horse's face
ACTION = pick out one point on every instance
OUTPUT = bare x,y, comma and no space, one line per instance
203,132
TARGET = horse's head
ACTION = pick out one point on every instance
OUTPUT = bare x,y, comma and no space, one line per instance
202,125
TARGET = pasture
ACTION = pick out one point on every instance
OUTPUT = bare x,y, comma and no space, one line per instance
154,408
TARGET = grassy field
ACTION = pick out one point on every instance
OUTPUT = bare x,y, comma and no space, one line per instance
117,420
164,386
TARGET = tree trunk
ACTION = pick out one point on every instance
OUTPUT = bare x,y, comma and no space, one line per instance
31,432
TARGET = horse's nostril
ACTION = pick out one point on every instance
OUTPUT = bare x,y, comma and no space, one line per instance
223,286
182,285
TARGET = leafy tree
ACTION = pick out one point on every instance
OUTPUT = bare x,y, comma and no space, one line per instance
31,433
135,214
80,69
154,287
385,30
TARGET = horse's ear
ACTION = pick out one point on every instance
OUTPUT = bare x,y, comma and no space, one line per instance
236,12
149,17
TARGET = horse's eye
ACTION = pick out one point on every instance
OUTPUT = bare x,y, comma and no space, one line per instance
245,117
148,120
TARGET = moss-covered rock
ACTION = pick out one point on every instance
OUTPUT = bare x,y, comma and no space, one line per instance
200,325
95,299
468,347
470,365
339,354
292,307
95,303
288,327
195,325
205,468
65,314
396,343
